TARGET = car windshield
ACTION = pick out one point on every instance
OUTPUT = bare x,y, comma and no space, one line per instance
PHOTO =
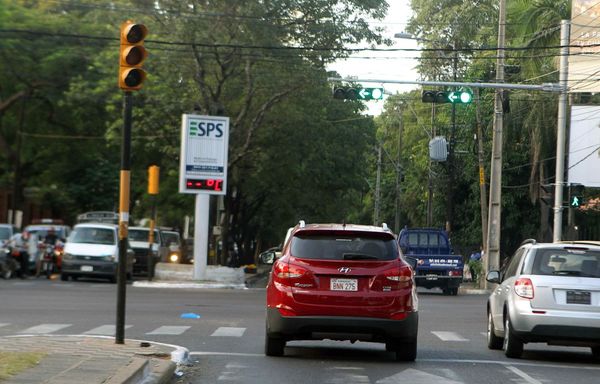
4,233
41,232
171,237
567,262
352,247
88,235
142,235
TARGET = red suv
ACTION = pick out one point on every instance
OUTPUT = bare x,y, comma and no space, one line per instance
342,282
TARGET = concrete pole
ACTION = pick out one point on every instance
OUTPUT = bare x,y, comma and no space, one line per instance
377,189
482,185
561,130
492,246
398,171
201,212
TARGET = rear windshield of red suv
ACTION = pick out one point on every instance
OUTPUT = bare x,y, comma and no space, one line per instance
340,247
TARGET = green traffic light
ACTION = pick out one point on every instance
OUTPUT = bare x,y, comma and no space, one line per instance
465,97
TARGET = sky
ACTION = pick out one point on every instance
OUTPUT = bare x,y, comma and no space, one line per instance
385,65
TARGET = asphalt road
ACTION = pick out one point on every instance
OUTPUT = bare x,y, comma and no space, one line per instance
226,337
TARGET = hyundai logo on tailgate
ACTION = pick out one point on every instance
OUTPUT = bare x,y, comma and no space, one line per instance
344,269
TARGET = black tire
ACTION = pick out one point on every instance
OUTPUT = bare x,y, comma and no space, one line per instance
113,279
7,273
446,291
406,351
596,352
493,341
274,346
454,291
512,345
64,277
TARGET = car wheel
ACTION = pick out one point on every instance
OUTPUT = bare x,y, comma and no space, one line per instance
513,347
113,279
64,277
596,352
274,346
406,351
493,341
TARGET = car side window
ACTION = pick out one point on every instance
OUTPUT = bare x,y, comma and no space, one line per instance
513,264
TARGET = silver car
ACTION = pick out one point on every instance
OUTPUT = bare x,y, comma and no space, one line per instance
547,293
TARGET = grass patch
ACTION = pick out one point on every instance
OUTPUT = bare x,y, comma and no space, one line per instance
12,363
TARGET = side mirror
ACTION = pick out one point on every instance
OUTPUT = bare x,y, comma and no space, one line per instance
493,277
412,261
267,257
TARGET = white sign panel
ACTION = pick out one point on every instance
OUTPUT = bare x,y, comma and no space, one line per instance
584,146
203,158
584,46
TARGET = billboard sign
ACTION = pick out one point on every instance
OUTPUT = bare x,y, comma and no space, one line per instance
203,157
584,65
584,146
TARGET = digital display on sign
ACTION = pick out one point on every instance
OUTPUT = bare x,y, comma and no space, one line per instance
205,184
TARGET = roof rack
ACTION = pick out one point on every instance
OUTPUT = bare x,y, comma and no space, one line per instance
529,241
385,226
302,223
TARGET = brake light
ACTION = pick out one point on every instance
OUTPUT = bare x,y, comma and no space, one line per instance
286,271
454,273
402,276
524,288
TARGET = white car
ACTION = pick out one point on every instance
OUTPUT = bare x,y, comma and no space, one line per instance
92,250
547,293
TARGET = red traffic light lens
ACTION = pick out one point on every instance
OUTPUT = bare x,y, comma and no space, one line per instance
136,33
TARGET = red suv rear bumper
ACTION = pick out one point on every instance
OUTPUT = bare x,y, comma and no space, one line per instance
341,328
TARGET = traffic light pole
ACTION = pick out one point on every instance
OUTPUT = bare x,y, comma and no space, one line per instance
124,217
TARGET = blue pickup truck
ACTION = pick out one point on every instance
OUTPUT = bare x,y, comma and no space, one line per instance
437,265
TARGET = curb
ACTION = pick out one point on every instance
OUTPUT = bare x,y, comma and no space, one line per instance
135,372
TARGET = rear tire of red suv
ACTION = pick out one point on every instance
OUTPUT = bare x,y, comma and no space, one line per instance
405,351
274,346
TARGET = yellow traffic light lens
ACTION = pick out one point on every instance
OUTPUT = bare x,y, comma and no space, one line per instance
136,33
135,55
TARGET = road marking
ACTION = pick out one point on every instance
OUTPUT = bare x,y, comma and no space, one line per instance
229,332
4,324
343,375
45,328
169,330
449,336
523,375
24,284
206,353
415,376
108,330
234,372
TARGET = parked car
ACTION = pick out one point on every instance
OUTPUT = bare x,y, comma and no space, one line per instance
342,282
6,232
138,239
92,250
547,293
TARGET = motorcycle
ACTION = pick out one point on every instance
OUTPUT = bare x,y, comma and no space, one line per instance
8,265
48,266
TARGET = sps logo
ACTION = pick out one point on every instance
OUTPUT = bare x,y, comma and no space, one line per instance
208,129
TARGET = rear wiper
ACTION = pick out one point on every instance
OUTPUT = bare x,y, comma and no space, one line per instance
358,256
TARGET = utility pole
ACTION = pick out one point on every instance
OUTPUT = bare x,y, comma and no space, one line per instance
561,130
492,246
377,189
482,185
398,170
452,144
429,178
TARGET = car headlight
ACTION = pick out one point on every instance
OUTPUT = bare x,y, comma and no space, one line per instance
68,256
107,258
173,257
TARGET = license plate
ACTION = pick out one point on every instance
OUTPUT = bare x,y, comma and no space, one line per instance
431,277
579,297
87,268
344,285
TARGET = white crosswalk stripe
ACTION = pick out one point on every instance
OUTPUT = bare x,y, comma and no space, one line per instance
449,336
45,328
169,330
229,332
107,330
4,324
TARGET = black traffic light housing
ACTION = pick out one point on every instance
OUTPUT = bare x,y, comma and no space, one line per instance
357,93
441,97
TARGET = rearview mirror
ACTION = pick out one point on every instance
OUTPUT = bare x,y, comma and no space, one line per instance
412,261
267,257
493,277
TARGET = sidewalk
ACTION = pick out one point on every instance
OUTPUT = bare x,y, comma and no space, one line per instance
94,360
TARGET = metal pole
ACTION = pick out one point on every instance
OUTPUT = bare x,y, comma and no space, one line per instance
377,189
561,130
429,178
450,186
492,246
151,263
398,172
124,217
482,185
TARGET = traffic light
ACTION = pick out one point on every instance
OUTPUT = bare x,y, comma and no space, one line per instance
357,93
576,198
547,194
153,175
132,56
440,97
